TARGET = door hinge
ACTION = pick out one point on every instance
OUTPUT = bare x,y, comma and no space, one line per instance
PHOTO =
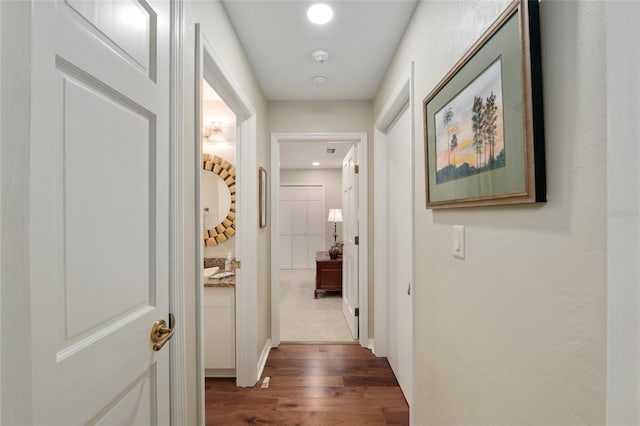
357,312
356,169
356,240
235,264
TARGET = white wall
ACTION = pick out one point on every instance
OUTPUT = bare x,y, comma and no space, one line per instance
320,116
515,332
218,30
15,54
332,181
623,219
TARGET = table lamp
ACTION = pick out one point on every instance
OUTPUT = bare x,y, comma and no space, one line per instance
335,216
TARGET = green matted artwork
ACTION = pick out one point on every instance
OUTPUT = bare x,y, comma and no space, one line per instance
484,132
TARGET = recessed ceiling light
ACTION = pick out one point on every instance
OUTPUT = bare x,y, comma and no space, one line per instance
320,13
315,164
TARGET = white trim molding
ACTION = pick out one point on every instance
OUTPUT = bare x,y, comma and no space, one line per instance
262,361
398,101
623,215
177,349
16,49
360,139
1,92
211,66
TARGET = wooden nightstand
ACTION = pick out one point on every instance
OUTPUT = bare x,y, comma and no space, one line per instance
328,273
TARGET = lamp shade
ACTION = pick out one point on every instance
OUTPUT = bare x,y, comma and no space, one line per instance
335,215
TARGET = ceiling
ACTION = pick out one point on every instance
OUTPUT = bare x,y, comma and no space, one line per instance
214,110
300,155
279,40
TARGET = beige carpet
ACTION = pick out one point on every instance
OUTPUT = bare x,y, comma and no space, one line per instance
305,319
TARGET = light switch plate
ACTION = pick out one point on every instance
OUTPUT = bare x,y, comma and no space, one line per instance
458,241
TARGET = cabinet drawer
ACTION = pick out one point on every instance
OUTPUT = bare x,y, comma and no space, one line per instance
330,278
221,296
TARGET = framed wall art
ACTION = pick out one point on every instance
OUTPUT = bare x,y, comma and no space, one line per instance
262,188
484,132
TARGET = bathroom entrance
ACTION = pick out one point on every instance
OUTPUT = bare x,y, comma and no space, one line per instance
218,225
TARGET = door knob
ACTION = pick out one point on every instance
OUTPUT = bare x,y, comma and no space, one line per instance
160,333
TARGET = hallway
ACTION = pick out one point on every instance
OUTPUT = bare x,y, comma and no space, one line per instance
312,384
304,318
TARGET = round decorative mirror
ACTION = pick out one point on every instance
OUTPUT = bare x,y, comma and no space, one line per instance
219,195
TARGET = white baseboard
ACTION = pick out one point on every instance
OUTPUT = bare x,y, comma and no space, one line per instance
220,372
263,358
372,346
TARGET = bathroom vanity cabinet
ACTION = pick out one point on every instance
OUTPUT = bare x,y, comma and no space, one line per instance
219,331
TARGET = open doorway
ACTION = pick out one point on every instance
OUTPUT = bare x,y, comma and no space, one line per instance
210,67
218,224
302,195
310,225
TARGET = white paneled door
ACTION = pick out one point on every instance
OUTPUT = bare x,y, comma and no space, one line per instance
400,261
350,249
302,225
99,211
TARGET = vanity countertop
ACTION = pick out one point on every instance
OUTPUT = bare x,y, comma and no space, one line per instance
216,265
222,282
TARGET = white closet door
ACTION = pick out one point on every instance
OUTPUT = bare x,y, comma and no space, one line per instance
299,211
302,224
285,229
400,253
315,224
299,254
286,244
299,228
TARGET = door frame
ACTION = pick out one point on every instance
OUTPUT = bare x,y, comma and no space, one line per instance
360,140
400,98
623,220
177,353
210,66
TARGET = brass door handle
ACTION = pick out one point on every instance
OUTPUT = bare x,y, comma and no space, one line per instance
160,333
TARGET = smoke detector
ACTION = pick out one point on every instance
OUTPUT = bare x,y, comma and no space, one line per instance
319,80
320,56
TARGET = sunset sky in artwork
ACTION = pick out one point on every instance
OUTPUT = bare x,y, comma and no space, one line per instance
461,125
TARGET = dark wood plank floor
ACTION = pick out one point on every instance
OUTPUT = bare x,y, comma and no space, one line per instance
312,384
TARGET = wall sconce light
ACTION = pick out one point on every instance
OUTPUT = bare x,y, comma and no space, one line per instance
213,132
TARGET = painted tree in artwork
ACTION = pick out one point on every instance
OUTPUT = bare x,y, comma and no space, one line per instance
447,118
453,146
476,123
490,127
